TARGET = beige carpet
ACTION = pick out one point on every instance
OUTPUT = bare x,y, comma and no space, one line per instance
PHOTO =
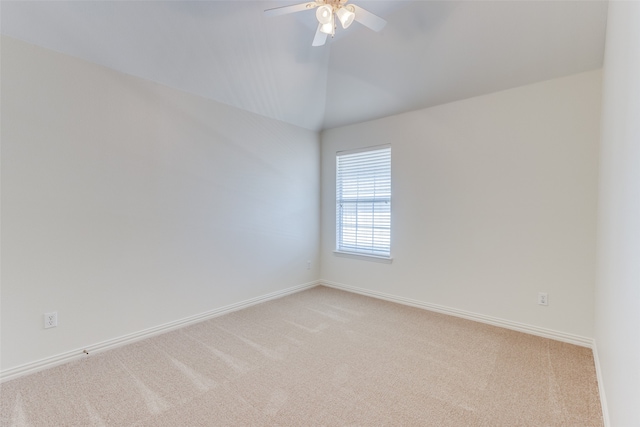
319,357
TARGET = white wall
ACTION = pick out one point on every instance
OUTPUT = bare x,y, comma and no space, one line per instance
617,320
126,204
494,200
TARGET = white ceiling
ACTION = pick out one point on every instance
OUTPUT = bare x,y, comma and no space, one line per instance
430,52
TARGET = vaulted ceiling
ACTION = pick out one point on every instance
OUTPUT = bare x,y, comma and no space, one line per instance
430,52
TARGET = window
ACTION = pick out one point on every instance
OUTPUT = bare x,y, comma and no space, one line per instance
363,201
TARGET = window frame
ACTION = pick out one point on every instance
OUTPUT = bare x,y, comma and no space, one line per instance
384,258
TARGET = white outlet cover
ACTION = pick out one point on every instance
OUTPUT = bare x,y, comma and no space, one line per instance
543,298
51,319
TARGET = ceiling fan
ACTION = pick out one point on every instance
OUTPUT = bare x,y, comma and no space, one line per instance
330,11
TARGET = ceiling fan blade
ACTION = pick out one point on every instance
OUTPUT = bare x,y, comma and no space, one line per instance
276,11
320,37
368,19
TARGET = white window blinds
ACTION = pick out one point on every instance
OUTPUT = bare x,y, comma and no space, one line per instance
363,202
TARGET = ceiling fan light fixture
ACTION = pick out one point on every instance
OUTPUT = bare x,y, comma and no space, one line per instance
324,14
346,16
328,28
327,11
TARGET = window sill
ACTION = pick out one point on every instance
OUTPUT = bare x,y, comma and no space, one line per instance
364,257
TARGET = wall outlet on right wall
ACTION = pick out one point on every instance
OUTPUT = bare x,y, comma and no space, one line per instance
543,299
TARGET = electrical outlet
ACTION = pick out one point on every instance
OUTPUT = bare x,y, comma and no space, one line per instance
543,299
51,319
308,265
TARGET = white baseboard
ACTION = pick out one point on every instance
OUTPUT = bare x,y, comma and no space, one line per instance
495,321
49,362
603,397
